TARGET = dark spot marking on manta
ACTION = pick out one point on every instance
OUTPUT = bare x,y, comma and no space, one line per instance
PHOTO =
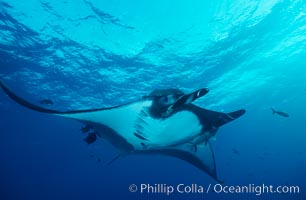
91,138
140,137
46,102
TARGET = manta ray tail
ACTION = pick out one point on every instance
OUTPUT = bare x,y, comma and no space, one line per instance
113,160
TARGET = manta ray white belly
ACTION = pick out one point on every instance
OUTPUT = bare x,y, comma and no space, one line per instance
177,129
133,123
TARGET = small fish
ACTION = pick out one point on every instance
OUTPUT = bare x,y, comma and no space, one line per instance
280,113
46,102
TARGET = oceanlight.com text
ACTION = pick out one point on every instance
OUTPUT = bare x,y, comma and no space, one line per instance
256,189
194,188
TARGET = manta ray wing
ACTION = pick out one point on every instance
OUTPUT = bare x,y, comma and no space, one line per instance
201,157
214,118
120,120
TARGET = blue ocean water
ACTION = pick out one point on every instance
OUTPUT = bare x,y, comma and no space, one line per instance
89,54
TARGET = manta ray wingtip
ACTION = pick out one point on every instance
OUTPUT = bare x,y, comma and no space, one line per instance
237,113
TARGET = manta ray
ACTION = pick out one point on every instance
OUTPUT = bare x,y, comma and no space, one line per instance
165,122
